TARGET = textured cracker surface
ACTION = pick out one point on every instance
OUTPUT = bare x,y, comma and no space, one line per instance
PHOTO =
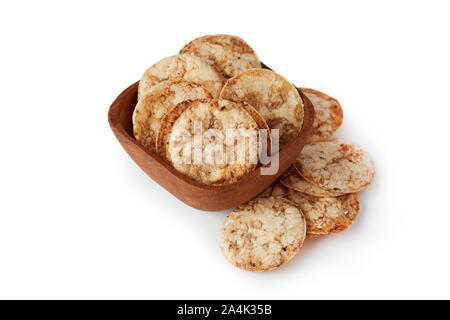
156,101
326,215
262,234
328,117
336,165
274,97
229,55
292,180
182,66
213,114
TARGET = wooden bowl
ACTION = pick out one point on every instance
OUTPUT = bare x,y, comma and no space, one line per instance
193,193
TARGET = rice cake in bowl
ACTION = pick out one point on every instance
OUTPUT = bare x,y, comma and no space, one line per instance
214,165
274,97
336,165
262,234
229,55
328,117
182,66
154,104
325,215
292,180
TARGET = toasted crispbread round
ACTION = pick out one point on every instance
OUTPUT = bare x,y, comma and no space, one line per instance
262,234
327,214
328,116
209,160
229,55
336,165
292,180
156,101
182,66
274,97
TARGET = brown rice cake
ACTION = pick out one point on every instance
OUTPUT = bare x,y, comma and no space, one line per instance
274,97
310,236
328,117
229,55
292,180
182,66
336,165
327,214
262,234
211,166
156,101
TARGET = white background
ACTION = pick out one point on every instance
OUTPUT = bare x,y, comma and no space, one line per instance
78,219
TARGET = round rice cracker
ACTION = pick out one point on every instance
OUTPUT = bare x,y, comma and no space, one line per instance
274,97
292,180
215,116
328,116
182,66
326,215
262,234
155,103
336,165
229,55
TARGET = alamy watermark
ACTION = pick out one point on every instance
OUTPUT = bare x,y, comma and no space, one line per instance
228,146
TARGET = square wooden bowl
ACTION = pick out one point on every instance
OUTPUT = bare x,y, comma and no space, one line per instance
193,193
